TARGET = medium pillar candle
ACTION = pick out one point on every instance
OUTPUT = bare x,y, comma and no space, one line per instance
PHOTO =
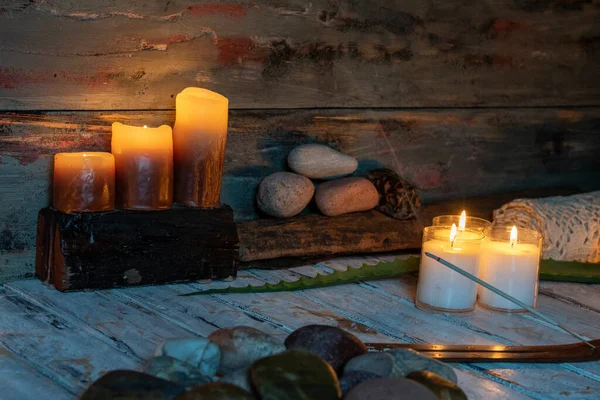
440,288
199,138
84,182
510,261
144,166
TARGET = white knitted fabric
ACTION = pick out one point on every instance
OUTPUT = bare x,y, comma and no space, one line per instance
570,225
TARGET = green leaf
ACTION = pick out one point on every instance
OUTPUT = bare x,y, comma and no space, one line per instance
550,270
569,271
365,272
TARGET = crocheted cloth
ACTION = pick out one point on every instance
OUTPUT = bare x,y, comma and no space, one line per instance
570,225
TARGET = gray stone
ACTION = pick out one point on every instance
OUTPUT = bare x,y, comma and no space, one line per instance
407,361
174,370
294,375
353,378
242,345
198,352
333,344
239,377
390,389
131,385
216,391
381,364
317,161
442,388
346,195
284,194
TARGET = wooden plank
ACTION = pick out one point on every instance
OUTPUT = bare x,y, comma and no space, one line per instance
127,248
140,54
364,232
21,382
548,147
357,303
73,357
584,296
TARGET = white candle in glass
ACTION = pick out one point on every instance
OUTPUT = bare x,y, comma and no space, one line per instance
440,288
510,261
463,221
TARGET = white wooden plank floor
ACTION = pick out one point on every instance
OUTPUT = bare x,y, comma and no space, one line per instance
53,345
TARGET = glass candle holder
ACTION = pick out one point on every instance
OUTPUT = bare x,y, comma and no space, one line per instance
478,224
439,287
510,261
144,166
84,182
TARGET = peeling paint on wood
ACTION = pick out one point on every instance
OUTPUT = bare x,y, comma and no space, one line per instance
291,53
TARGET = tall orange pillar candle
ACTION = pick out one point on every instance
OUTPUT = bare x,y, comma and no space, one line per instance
84,182
199,138
144,166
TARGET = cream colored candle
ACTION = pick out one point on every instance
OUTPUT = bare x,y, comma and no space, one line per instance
510,261
199,138
144,166
439,288
84,182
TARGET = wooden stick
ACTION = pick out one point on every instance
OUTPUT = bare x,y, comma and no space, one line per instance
506,296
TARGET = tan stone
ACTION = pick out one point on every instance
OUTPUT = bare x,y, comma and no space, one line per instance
318,161
346,195
284,194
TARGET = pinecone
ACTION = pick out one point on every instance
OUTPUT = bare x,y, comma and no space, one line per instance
398,198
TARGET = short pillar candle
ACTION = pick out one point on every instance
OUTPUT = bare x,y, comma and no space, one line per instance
440,288
84,182
144,166
199,138
510,261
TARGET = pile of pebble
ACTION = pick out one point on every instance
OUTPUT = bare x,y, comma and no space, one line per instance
314,362
286,194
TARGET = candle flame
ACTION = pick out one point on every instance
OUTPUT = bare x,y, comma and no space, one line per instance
145,126
462,222
453,233
513,236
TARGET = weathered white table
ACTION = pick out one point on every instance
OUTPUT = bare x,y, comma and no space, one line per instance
52,345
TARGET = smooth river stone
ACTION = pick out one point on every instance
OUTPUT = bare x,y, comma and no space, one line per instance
353,378
242,345
199,352
294,375
346,195
381,364
390,389
174,370
284,194
333,344
317,161
216,391
132,385
407,361
239,377
442,388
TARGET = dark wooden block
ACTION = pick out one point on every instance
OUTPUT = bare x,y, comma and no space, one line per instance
126,248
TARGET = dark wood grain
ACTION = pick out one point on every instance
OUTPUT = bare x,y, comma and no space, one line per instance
128,248
364,232
139,54
454,153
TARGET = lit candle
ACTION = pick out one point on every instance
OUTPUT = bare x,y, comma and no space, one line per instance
463,221
144,166
510,261
84,182
199,138
440,288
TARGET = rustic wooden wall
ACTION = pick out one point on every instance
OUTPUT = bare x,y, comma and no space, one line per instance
462,97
